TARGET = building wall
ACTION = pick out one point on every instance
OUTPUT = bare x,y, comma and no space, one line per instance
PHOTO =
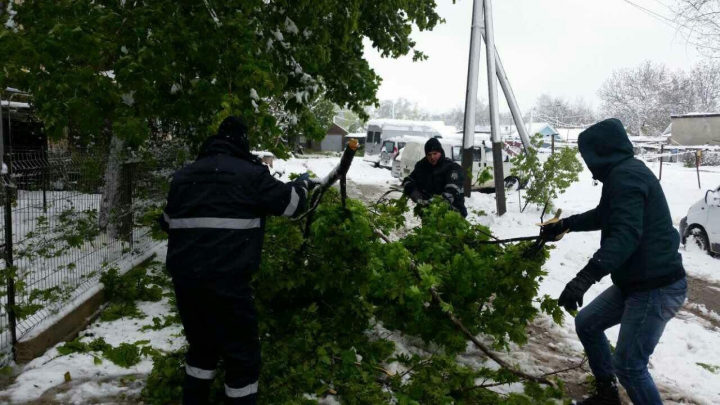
332,143
696,130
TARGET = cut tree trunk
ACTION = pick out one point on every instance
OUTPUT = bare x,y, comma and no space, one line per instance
110,202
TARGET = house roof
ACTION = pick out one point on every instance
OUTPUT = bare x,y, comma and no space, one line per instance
336,129
697,115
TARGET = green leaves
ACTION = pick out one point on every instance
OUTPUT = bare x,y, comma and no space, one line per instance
325,303
280,65
550,178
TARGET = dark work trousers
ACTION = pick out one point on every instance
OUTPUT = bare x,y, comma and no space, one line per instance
220,322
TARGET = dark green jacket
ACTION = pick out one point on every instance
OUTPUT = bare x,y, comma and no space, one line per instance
639,245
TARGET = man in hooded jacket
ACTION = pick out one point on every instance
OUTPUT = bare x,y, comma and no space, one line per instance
436,175
215,219
639,250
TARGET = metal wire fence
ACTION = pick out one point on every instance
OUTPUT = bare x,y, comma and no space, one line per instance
55,245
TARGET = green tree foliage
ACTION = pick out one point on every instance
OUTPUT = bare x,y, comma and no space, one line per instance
550,178
324,302
182,66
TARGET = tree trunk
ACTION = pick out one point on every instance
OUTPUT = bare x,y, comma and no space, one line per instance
110,202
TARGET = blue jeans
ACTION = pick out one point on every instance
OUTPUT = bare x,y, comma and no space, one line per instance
642,317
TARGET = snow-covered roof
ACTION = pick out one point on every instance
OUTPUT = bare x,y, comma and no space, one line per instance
15,104
357,135
536,128
697,114
388,124
569,134
648,139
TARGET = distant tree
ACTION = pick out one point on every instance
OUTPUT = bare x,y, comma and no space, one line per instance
456,116
700,22
560,112
401,109
705,82
350,121
638,97
645,97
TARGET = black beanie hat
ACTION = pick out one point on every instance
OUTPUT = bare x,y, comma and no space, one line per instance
234,130
433,145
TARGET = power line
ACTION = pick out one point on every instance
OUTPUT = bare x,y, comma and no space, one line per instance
672,24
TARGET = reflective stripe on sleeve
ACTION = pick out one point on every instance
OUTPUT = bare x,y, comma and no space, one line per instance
199,373
241,392
455,186
293,204
216,223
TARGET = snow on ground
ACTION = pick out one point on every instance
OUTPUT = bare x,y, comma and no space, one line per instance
93,381
360,172
688,340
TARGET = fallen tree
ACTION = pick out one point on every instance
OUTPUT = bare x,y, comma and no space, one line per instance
323,300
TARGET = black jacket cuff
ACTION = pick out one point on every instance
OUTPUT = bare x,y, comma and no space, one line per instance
593,271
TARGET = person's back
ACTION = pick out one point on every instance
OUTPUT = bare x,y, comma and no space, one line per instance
215,219
218,199
639,249
656,261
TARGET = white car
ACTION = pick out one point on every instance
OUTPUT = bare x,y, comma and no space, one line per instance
703,222
414,151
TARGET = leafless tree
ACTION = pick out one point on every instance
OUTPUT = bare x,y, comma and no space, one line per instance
638,97
560,112
645,97
700,23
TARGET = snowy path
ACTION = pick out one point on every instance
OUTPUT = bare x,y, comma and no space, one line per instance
689,339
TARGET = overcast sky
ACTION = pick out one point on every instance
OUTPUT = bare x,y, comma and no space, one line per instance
561,47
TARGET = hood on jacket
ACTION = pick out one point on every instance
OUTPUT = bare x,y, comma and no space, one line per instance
603,146
231,139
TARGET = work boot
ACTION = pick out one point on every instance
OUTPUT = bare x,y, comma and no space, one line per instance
606,393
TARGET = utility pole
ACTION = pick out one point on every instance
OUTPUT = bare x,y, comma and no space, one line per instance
494,112
471,95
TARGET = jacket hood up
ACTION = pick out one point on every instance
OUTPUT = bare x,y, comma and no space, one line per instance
603,146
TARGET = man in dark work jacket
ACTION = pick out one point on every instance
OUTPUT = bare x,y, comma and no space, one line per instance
436,175
639,250
215,219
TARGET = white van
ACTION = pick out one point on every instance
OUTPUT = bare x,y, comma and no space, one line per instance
414,151
380,130
703,222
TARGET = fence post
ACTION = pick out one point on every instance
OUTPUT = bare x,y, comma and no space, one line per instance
662,150
45,174
126,219
10,266
698,157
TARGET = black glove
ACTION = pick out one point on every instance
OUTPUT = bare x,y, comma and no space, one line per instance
416,196
313,182
554,231
306,182
572,296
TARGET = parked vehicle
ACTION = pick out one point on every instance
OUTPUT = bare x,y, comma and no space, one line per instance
381,130
390,150
415,150
703,222
396,165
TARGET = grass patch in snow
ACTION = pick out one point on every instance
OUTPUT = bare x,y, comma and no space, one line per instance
710,368
125,355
